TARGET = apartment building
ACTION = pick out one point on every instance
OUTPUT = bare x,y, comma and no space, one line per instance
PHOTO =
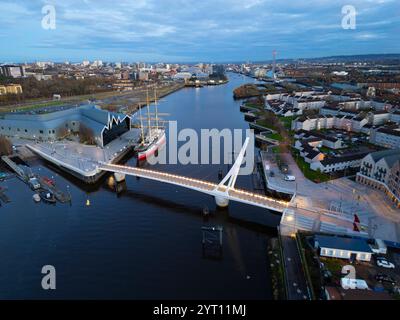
381,170
386,137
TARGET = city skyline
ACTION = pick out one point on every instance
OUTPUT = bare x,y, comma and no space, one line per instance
186,31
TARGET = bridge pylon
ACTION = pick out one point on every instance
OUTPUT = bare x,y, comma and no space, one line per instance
228,183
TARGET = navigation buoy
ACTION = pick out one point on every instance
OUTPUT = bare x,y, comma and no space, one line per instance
87,202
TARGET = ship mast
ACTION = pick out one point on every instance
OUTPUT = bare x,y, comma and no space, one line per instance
141,122
148,113
155,104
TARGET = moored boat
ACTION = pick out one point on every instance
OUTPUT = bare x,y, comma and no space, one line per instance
147,150
47,196
36,197
155,137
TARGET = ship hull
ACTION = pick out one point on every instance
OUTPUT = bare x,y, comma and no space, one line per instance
151,150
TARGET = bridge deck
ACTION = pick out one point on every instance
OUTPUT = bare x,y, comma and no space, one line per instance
200,185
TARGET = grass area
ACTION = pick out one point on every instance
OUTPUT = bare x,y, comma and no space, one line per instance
325,150
36,106
122,98
287,121
274,136
265,124
315,176
334,266
253,105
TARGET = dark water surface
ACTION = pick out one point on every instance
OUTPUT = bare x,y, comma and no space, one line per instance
146,242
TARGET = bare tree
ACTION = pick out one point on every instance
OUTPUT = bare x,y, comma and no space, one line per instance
86,135
5,146
62,132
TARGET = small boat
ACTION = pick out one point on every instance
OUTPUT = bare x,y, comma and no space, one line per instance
49,181
36,197
47,196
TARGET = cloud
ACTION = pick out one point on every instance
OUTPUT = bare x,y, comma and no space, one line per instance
198,30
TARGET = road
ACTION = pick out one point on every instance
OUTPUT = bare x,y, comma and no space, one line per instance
295,278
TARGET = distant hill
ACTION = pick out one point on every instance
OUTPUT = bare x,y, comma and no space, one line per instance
361,57
393,57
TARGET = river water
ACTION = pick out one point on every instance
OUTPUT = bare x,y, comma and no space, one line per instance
146,242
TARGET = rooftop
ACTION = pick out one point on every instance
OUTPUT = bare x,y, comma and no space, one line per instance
342,243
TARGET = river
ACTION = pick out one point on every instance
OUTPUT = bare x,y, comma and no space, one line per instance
146,242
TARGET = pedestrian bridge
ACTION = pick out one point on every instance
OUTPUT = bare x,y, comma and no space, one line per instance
222,192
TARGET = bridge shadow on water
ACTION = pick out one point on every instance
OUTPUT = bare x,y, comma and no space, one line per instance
216,215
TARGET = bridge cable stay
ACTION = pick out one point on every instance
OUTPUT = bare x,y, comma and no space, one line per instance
234,171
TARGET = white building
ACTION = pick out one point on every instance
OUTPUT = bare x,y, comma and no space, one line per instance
395,116
385,137
379,117
344,122
381,170
343,248
338,163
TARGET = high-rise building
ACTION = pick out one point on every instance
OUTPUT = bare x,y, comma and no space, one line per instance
13,71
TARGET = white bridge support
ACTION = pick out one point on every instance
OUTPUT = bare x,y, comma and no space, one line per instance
228,183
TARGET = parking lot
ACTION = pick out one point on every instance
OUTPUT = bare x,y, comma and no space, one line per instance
367,271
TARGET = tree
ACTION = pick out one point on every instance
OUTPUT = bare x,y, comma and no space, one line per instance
5,146
86,135
62,132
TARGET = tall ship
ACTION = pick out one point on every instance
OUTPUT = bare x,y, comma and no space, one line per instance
152,139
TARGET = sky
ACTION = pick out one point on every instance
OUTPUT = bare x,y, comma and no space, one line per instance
194,30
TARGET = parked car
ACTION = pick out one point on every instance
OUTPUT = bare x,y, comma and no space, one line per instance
290,178
34,183
271,174
381,277
382,262
284,168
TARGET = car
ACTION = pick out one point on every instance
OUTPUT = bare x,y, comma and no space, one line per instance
284,168
290,178
382,262
271,174
34,183
381,277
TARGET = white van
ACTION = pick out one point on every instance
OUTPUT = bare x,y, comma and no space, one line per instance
348,283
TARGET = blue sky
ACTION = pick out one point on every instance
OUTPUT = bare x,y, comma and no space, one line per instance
194,31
